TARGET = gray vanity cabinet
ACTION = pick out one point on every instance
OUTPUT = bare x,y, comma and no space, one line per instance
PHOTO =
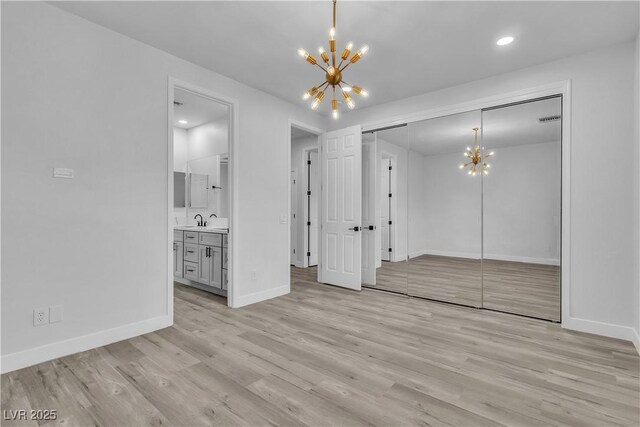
200,258
178,260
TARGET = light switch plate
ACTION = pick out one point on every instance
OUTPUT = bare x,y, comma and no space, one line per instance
283,219
55,313
63,173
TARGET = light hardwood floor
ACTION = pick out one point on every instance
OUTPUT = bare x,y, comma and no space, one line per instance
513,287
327,356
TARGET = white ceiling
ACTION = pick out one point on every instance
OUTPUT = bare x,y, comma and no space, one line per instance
415,47
503,127
196,110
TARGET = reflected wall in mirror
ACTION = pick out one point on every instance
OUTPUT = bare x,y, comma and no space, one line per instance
201,147
385,157
179,189
521,203
444,210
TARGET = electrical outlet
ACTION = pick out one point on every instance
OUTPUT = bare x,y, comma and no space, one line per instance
55,314
40,316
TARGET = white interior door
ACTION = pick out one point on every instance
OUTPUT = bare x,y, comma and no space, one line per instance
314,228
368,209
341,163
293,220
385,207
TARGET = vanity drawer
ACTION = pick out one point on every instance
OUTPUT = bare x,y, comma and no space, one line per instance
177,236
190,252
225,240
210,239
191,237
225,258
191,271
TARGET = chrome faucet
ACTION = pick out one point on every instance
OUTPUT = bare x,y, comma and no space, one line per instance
212,215
201,222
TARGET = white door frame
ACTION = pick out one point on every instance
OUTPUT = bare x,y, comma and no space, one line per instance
293,225
172,84
309,128
306,152
556,88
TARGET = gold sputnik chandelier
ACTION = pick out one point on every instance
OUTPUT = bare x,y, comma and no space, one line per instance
333,72
477,163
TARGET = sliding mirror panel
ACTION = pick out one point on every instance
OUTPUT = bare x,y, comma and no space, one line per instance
521,208
444,211
385,153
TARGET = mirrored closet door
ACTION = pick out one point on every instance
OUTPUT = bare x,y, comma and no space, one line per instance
444,245
521,208
385,157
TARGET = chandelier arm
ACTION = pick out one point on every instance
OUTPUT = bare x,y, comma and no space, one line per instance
343,68
323,69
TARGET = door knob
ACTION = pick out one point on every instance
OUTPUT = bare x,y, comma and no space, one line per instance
356,228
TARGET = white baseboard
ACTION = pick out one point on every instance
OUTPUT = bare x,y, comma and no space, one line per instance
416,254
528,260
470,255
242,300
601,328
33,356
636,340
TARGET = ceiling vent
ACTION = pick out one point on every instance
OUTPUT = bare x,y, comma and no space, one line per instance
178,103
549,119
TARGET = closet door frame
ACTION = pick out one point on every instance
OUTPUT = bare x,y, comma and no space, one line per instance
562,88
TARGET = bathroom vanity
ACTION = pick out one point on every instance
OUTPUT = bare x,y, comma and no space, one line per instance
200,257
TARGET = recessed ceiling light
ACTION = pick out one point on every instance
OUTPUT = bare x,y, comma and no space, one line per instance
182,122
504,40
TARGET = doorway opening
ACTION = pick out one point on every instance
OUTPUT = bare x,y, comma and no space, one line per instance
304,208
201,135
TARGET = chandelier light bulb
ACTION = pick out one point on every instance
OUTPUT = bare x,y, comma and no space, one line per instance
363,50
332,33
350,104
323,55
335,114
302,52
346,89
306,95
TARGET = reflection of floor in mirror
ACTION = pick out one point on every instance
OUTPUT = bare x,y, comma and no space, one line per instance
521,288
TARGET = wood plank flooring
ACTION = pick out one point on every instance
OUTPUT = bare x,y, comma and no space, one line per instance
513,287
327,356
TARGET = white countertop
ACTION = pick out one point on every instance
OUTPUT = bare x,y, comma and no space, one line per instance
201,229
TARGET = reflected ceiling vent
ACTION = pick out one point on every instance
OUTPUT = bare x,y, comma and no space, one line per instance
178,103
549,119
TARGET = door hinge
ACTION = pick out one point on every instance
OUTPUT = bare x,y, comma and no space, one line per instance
308,253
309,223
389,194
308,192
390,222
389,167
308,162
294,216
294,251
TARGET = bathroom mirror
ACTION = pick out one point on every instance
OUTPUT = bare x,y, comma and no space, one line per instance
179,189
201,159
